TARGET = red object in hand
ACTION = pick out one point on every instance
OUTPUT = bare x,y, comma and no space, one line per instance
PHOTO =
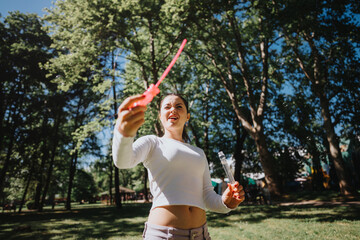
150,93
153,90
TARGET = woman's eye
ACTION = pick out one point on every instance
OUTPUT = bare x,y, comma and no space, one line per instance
179,106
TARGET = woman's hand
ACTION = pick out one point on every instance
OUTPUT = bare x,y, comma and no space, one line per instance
130,119
233,195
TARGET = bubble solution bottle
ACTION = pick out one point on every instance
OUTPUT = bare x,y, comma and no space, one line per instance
226,167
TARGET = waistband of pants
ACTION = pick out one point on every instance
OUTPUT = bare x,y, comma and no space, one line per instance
191,233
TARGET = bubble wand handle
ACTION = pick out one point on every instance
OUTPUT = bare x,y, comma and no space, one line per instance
154,90
226,167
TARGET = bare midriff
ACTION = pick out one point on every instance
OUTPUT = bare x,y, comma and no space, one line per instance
178,216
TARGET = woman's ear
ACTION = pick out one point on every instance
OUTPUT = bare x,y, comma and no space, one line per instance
188,117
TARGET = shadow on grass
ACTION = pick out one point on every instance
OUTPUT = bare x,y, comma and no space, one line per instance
81,223
259,213
325,195
104,222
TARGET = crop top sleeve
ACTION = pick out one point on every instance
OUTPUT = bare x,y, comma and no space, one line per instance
126,153
178,172
212,200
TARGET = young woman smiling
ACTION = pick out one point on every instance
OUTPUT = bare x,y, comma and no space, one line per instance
178,172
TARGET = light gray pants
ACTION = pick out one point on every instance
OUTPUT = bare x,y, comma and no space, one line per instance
155,232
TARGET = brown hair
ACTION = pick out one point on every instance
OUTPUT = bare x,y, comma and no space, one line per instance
185,136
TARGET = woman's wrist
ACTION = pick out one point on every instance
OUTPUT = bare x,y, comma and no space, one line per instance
226,205
122,131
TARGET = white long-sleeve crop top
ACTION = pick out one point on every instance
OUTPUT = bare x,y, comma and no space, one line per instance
178,172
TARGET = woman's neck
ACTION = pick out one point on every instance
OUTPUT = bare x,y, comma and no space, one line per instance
174,135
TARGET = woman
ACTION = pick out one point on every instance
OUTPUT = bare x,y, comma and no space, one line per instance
178,172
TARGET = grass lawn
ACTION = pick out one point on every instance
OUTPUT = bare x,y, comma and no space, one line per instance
287,222
96,221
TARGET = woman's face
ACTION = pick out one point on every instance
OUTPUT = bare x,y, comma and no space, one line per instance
173,113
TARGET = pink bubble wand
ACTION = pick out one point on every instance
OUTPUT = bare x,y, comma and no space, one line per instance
154,90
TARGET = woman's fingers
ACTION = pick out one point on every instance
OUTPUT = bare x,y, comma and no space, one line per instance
234,195
131,119
241,198
236,187
230,188
125,105
239,192
239,195
133,113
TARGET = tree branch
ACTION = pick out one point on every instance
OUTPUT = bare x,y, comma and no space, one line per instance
265,76
243,66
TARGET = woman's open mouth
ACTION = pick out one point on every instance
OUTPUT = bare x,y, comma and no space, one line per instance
173,118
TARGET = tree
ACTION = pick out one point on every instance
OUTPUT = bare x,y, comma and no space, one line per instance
244,61
84,187
323,39
89,37
25,47
81,70
301,128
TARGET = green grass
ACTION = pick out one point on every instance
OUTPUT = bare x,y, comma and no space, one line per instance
287,222
96,221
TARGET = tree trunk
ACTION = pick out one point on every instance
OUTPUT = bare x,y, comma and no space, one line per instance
39,186
45,154
319,80
27,186
3,107
5,123
51,165
344,183
267,163
6,163
195,135
206,116
116,175
15,118
74,157
25,191
117,188
238,155
253,126
72,171
146,193
111,182
355,157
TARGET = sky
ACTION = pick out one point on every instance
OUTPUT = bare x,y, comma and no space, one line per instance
24,6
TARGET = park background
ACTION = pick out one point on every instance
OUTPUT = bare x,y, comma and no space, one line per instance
274,85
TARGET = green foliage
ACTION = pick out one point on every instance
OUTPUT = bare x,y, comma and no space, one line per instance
289,164
84,186
100,170
12,192
59,78
28,108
